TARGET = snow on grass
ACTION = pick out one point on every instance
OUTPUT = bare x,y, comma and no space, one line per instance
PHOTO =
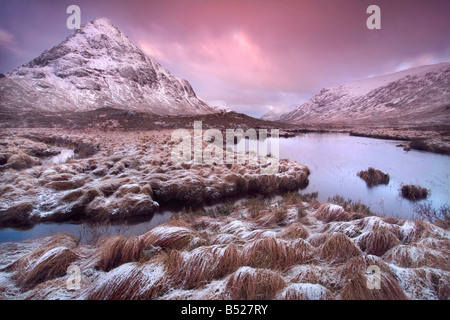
305,291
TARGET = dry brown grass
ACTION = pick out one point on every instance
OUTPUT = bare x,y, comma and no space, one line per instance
304,251
338,248
414,192
18,214
378,242
373,177
65,185
423,229
202,265
417,255
118,250
315,273
375,223
172,260
295,231
316,240
21,161
306,291
436,244
293,198
270,253
42,265
169,237
360,264
328,212
254,284
130,282
392,220
272,218
224,238
356,289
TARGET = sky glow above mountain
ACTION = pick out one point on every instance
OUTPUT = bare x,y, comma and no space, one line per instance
249,55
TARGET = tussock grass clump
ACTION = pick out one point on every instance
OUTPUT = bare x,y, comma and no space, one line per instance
270,253
254,284
357,289
62,185
172,260
327,276
72,196
355,207
295,231
360,264
17,214
306,291
373,177
118,250
414,192
436,244
43,265
378,242
21,161
316,240
305,253
416,256
348,228
338,248
130,282
423,229
169,237
272,218
331,212
224,238
392,220
204,264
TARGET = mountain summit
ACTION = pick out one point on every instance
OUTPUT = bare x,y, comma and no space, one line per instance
410,96
95,67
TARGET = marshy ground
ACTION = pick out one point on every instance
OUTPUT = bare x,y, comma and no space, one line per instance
117,176
291,248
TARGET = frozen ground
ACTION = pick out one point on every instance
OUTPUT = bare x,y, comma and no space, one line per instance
294,248
115,176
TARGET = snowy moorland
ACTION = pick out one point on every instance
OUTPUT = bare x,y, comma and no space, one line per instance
293,248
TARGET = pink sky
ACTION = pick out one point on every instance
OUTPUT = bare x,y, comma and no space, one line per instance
249,55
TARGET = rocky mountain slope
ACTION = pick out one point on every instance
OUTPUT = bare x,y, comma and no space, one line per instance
410,96
98,66
276,114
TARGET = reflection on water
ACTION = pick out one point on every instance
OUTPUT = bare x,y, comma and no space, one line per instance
335,159
85,232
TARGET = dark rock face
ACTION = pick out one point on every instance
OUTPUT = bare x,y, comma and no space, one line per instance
98,66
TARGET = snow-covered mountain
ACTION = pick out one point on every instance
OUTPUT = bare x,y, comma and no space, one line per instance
276,114
410,96
98,66
222,109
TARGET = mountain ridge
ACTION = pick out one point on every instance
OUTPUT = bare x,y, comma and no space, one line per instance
407,96
98,66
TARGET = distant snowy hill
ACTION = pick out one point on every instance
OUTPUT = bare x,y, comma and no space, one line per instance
276,114
222,109
98,66
412,96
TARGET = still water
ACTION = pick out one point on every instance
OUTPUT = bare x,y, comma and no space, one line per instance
334,161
